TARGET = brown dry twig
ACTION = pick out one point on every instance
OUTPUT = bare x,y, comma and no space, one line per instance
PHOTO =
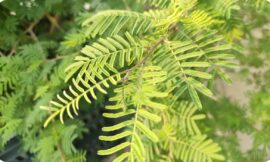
54,23
30,30
150,50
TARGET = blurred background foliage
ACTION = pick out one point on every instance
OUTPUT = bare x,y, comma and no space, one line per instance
38,39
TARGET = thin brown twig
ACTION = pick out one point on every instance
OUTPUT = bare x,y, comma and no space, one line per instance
141,63
58,146
57,57
150,51
14,48
54,23
63,158
30,30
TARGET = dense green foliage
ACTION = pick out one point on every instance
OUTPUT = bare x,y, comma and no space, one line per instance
143,72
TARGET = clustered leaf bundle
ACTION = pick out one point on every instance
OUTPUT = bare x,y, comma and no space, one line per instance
150,60
149,65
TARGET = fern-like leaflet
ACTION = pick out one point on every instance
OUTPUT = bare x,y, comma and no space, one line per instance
111,22
135,99
82,89
187,143
156,3
115,51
